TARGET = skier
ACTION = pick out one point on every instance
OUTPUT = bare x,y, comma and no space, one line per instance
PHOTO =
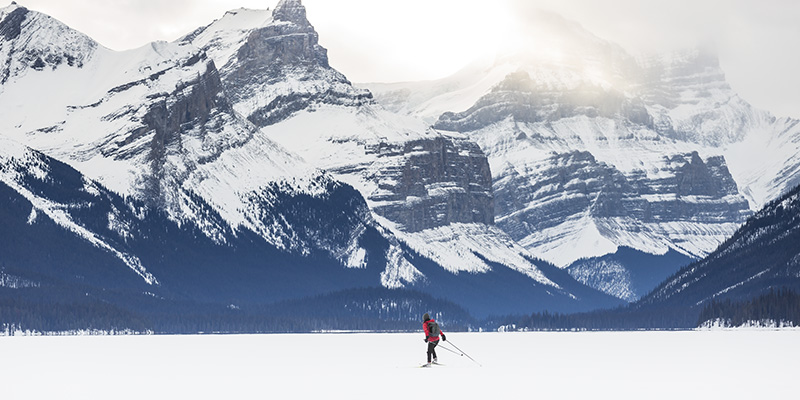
432,331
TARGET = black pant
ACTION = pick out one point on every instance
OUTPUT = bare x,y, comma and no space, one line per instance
431,350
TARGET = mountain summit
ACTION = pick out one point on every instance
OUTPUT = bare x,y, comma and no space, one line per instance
30,40
291,11
272,65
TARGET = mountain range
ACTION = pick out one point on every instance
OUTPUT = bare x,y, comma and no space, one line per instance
235,168
220,141
598,156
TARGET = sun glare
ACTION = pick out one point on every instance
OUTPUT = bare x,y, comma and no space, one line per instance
423,39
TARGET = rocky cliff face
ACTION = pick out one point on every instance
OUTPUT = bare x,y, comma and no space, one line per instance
562,157
626,208
193,108
443,181
281,69
690,100
23,47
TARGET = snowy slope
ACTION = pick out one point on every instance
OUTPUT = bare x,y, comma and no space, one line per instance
271,63
38,50
31,176
430,99
689,99
565,142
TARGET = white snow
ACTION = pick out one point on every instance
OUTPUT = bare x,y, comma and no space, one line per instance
32,216
15,282
708,364
459,247
364,146
68,112
223,37
608,276
767,161
631,152
398,270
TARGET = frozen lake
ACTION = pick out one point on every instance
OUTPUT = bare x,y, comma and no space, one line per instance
630,365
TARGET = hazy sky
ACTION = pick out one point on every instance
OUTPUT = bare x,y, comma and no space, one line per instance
382,40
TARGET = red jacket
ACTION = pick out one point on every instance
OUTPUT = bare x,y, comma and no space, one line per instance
428,332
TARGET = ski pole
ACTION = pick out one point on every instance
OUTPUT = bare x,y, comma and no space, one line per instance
463,353
450,350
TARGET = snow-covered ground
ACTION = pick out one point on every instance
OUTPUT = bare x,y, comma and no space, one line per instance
717,364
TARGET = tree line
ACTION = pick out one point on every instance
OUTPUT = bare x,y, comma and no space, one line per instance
369,309
781,307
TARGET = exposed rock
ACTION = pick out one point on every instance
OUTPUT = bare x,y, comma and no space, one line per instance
11,25
443,181
575,185
291,11
172,115
31,40
281,69
760,256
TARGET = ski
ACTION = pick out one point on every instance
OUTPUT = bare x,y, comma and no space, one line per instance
426,365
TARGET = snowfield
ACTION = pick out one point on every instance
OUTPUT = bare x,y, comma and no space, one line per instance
716,364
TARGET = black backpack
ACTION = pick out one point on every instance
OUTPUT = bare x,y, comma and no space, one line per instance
433,328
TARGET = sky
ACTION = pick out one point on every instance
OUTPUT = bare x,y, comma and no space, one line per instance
387,41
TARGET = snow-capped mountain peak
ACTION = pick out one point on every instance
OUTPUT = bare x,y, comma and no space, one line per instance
223,37
291,11
272,65
38,42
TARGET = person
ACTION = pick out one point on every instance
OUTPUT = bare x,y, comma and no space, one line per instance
432,332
